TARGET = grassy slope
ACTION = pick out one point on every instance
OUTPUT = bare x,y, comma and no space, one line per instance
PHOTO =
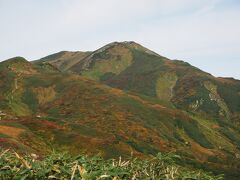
64,59
72,113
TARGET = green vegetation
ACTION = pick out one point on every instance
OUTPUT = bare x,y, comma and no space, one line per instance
104,63
165,85
141,76
106,76
143,148
4,136
231,135
230,93
63,166
30,99
194,132
37,81
134,68
53,56
156,105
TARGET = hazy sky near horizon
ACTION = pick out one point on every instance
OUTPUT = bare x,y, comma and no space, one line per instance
205,33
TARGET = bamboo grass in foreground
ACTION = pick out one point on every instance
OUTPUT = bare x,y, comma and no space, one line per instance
63,166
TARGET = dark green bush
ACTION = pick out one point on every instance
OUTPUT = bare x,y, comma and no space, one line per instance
30,99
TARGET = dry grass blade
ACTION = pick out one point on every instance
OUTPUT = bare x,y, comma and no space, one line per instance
125,163
74,170
120,161
82,172
52,177
25,163
4,152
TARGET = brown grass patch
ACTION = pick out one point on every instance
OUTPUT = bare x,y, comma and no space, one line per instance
45,95
200,152
215,126
11,131
226,80
170,64
116,92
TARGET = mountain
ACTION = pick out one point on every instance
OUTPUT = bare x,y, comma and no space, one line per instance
131,67
121,99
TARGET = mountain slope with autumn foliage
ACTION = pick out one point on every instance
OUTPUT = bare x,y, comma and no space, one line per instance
132,67
120,100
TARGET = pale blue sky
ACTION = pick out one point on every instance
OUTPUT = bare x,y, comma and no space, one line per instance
205,33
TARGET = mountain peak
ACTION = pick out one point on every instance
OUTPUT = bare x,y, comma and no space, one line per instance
128,44
17,59
18,65
132,44
123,43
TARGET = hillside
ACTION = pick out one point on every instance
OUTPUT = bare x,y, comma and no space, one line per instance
120,100
132,67
64,60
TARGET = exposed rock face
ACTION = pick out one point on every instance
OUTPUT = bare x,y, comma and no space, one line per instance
214,96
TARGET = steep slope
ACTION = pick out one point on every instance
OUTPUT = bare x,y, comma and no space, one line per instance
64,60
43,109
131,67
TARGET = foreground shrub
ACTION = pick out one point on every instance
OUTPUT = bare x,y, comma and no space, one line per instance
63,166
